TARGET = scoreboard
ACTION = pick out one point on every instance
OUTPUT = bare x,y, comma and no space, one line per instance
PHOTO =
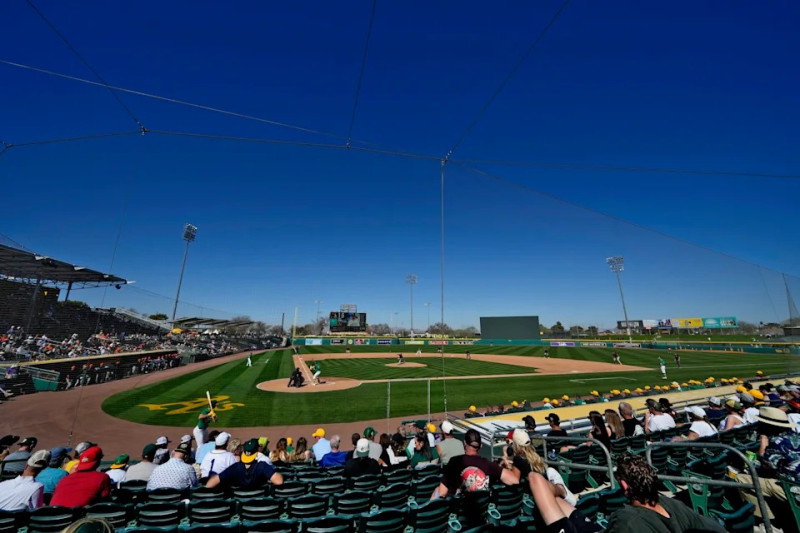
345,321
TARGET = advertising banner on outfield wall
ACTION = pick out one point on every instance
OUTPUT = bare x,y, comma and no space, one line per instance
440,342
464,343
337,341
413,342
687,323
562,344
313,342
720,322
594,344
384,341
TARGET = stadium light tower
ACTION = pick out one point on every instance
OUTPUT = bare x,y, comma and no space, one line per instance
189,234
411,279
617,265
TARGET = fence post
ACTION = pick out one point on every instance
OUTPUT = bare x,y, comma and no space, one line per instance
388,404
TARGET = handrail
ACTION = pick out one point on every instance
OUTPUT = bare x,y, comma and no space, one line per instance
755,485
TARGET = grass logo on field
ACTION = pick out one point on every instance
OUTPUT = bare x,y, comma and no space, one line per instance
192,406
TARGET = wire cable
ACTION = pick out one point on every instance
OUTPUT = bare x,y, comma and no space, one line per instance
441,288
578,166
615,218
508,77
86,63
361,72
74,139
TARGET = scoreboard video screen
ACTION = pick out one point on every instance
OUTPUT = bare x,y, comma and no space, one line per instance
343,322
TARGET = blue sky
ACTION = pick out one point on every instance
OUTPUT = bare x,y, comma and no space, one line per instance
684,86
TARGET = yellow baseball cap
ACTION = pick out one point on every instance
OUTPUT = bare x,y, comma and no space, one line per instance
472,408
514,403
263,441
565,397
318,433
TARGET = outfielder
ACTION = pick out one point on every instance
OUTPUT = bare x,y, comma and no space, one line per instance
663,366
249,361
207,416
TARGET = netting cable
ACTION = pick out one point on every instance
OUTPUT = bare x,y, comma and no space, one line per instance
361,73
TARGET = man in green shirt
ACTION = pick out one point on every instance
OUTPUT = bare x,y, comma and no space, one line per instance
647,510
204,420
663,366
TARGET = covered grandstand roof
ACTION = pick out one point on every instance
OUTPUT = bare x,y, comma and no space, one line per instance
29,267
215,323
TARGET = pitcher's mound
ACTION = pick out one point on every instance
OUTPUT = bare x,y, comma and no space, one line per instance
405,365
328,384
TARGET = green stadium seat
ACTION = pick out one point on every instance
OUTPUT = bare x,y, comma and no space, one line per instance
333,471
11,521
291,489
385,521
130,492
116,514
397,476
52,519
507,501
742,520
145,529
365,482
471,508
576,479
240,493
262,508
589,505
352,502
329,524
421,489
211,511
611,500
230,527
393,496
328,486
167,495
203,493
269,526
427,470
433,517
159,514
307,506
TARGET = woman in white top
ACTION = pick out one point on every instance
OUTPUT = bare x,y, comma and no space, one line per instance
733,419
700,427
527,460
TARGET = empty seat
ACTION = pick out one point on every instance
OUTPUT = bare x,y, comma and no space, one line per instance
392,497
352,502
328,486
421,489
307,506
157,514
167,495
365,482
117,514
328,524
52,519
290,489
263,508
269,526
211,511
250,492
433,517
385,521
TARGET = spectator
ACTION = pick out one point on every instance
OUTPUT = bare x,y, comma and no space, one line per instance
79,449
206,447
354,438
301,453
614,423
526,460
430,432
142,470
395,453
361,463
647,510
449,446
162,451
321,445
375,449
423,454
188,439
86,485
778,451
715,412
263,451
700,427
175,473
733,408
750,412
655,419
50,476
599,429
280,454
15,462
555,426
219,458
117,471
631,424
24,492
471,472
248,473
530,422
334,457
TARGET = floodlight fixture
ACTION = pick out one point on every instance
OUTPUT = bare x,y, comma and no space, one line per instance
411,279
189,235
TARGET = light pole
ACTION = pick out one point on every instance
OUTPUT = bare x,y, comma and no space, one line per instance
394,319
411,279
428,306
617,265
316,324
189,234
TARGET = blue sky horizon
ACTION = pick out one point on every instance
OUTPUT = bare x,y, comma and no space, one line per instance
284,224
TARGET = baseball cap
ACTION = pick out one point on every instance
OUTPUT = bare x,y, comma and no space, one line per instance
715,401
369,432
757,394
28,441
472,409
250,451
447,427
695,410
552,417
318,433
90,459
263,441
362,448
83,446
160,441
213,403
521,437
472,439
431,428
40,459
222,439
8,440
289,441
746,398
184,448
187,438
510,435
121,461
733,404
149,450
58,453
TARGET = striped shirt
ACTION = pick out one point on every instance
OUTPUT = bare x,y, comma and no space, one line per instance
174,474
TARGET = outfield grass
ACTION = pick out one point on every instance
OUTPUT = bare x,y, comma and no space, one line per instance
366,369
369,401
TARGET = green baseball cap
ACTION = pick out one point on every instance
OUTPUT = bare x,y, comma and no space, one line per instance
370,432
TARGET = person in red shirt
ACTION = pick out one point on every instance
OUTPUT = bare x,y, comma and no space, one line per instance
86,485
